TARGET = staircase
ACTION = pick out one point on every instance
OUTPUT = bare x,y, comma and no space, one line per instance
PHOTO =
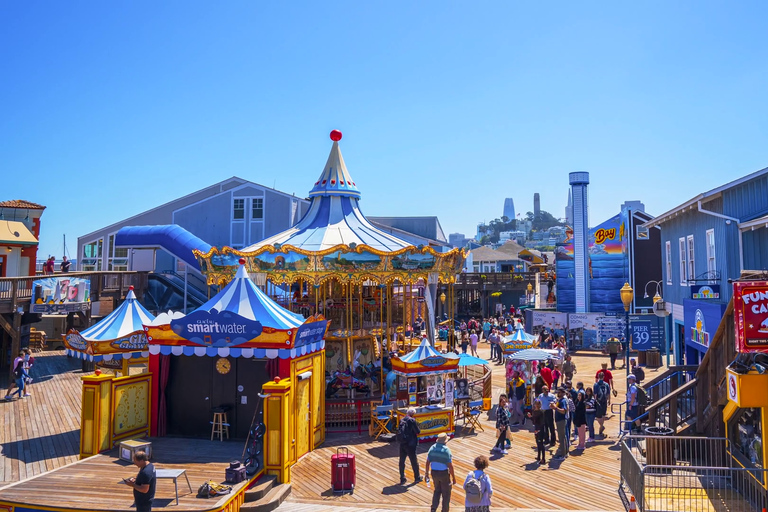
266,495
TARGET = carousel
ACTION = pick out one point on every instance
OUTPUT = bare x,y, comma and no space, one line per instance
369,284
117,341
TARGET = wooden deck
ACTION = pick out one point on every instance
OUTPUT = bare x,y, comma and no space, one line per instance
586,481
94,483
42,432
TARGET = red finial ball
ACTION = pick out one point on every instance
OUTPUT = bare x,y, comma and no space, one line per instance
335,135
130,287
242,261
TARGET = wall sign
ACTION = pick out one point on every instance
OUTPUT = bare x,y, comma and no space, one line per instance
750,309
60,295
216,329
704,292
310,333
702,318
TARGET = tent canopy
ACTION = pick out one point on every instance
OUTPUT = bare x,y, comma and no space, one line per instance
425,360
470,360
533,354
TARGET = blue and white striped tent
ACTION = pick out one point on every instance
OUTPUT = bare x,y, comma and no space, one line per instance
119,326
425,360
519,336
243,297
334,217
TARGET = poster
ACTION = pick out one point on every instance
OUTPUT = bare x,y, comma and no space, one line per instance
60,295
432,393
582,330
412,385
449,393
462,388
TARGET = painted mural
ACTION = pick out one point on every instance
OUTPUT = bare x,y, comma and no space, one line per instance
607,268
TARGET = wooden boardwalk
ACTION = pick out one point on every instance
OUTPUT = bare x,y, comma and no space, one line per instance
585,481
42,432
95,483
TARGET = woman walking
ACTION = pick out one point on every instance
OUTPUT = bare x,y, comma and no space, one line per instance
473,342
580,419
478,488
502,425
539,432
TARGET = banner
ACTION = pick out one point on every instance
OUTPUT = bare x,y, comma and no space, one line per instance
60,295
582,330
216,329
701,319
750,309
310,333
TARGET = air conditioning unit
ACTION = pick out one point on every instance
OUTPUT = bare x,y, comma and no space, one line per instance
660,309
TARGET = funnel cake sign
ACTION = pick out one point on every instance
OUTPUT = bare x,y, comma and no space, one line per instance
750,309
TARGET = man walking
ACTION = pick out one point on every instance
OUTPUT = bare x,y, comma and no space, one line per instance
560,407
440,461
569,368
632,404
408,436
601,392
546,398
517,391
144,483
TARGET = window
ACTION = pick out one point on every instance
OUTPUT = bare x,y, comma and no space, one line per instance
711,262
668,260
117,258
257,211
238,209
92,256
683,267
691,262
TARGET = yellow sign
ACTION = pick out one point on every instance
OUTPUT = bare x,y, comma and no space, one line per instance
433,424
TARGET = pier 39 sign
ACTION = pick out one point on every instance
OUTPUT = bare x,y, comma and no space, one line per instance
216,329
750,308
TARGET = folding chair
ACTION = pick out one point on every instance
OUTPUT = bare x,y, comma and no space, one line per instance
381,416
472,415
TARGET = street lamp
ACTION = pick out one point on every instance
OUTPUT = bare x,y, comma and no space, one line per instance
657,297
627,293
660,310
529,289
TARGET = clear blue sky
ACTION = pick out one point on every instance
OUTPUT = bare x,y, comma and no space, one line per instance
110,108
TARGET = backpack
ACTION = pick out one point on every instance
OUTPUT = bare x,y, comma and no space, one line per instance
211,489
571,405
403,432
474,487
601,392
641,395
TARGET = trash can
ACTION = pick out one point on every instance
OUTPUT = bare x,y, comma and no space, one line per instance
659,448
641,359
653,358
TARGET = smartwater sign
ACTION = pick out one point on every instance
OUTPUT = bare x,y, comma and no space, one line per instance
216,329
311,332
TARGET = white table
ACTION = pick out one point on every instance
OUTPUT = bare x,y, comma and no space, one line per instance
173,474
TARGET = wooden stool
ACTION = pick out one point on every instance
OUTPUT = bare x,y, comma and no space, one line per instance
220,425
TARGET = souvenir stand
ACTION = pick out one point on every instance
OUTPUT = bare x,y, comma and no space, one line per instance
527,363
479,385
115,342
224,358
368,283
425,382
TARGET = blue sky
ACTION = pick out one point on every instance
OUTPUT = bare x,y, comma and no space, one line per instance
110,108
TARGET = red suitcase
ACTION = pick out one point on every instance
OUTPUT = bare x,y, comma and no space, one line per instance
343,471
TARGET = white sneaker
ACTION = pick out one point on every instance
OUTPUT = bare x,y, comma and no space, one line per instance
504,452
27,394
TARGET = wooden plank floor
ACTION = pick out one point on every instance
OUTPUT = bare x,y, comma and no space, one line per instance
94,483
42,432
586,481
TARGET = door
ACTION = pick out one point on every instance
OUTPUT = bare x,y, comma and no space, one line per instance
303,417
251,376
188,396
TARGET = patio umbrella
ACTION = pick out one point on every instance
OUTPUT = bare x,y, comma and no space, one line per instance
470,360
532,354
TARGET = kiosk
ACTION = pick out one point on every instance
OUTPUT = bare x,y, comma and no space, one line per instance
426,382
518,340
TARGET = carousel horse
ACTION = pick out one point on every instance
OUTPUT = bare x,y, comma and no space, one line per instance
341,380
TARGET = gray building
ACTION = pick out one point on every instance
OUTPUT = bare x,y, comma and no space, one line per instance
509,209
416,230
234,212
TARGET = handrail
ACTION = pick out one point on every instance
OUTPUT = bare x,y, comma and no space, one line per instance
652,415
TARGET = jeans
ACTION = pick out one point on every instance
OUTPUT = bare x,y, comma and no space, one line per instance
442,481
502,439
541,445
549,426
19,387
631,414
562,450
144,507
591,424
408,450
568,423
613,361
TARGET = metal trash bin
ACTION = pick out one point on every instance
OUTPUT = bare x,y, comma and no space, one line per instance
659,448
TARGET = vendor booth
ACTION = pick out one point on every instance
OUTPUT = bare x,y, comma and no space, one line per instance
527,363
117,341
426,381
218,358
518,340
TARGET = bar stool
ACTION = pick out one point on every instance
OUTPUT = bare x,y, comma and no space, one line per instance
220,426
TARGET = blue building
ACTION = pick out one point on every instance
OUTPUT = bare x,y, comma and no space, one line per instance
706,242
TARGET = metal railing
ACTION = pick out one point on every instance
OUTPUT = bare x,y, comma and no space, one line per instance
347,416
688,474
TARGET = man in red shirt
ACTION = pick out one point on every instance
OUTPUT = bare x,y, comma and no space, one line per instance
607,377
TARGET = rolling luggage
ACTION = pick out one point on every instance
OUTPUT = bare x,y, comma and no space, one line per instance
343,471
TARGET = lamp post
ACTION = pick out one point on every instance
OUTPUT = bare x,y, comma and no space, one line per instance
442,302
627,293
660,310
530,296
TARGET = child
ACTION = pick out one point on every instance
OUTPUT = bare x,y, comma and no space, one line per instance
537,417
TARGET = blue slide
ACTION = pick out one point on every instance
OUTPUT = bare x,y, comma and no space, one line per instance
174,239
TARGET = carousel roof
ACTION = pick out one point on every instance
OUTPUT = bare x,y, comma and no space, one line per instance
423,351
243,297
129,317
334,217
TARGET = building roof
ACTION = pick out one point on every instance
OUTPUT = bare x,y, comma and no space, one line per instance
21,203
510,248
16,233
486,253
424,226
708,196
